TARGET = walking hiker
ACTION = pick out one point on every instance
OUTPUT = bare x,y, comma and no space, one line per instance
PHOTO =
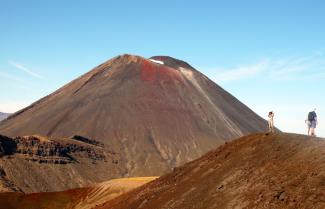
312,122
271,121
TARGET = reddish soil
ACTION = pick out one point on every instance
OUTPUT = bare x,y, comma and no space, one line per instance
278,171
157,73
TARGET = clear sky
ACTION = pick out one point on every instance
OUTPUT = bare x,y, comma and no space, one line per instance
269,54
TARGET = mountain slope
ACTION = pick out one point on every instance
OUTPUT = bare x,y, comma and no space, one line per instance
155,114
3,115
256,171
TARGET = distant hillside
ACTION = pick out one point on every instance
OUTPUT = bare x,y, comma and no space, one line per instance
3,115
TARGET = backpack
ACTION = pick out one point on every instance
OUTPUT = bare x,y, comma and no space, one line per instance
311,116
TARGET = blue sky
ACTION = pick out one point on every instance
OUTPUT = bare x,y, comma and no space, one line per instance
269,54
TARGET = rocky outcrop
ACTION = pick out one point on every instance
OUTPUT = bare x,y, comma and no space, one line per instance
40,164
46,150
7,146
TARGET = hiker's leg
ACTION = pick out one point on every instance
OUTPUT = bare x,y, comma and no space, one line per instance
312,131
272,126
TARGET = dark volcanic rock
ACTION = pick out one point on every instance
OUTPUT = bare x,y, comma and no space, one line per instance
42,148
7,146
45,150
87,140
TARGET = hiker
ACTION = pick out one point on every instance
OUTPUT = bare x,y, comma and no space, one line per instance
312,122
271,122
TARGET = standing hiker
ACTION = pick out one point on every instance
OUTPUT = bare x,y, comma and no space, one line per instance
271,121
312,122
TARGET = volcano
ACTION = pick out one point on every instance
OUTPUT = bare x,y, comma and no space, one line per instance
154,114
